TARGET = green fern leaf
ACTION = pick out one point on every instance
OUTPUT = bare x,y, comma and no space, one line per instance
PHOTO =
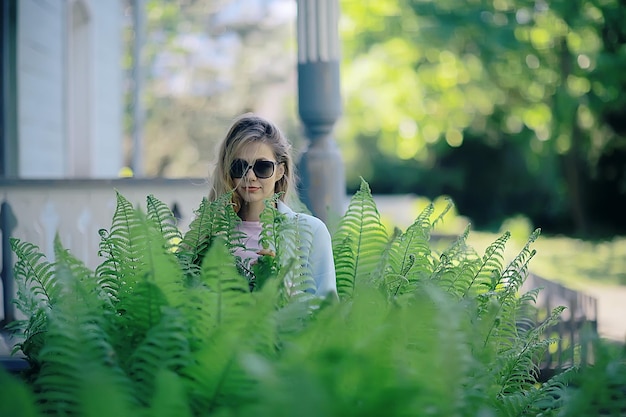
287,238
165,347
109,272
165,222
16,398
218,378
35,272
345,268
75,342
170,396
410,257
516,272
212,219
488,276
229,291
361,223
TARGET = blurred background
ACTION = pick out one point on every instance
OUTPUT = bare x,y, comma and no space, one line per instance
510,107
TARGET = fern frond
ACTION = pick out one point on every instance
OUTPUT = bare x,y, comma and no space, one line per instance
170,396
551,395
290,239
383,263
140,274
37,292
368,237
67,263
198,238
410,257
345,268
109,272
74,343
165,222
212,219
126,241
457,266
442,215
16,398
229,294
33,269
516,272
165,347
489,272
217,376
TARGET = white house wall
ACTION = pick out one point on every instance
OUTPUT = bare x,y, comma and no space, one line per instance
40,91
70,125
108,95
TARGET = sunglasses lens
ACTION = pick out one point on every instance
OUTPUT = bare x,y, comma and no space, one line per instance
263,169
238,168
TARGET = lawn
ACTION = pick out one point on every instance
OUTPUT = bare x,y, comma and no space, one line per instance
572,262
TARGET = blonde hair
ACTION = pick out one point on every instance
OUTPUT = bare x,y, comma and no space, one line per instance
246,129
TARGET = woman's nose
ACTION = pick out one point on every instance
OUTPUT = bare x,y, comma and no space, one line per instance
250,172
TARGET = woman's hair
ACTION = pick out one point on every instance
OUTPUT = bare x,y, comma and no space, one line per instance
246,129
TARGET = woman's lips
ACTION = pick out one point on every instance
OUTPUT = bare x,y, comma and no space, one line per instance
252,189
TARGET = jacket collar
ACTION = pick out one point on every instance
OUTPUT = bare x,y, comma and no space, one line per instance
283,208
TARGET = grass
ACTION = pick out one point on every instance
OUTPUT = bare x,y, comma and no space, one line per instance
571,262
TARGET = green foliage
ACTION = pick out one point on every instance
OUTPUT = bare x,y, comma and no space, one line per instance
360,235
170,325
507,106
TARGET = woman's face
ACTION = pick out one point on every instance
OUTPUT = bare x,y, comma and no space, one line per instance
251,187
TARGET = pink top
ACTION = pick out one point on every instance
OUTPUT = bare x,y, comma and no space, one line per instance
252,231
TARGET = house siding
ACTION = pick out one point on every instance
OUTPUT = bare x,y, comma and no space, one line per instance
107,152
40,67
70,123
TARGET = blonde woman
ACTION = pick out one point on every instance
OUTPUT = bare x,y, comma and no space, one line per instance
255,162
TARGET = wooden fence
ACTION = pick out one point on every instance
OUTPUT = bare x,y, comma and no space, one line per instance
578,324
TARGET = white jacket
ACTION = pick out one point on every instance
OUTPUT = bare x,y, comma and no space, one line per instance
320,251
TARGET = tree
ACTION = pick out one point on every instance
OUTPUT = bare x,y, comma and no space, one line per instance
424,79
208,61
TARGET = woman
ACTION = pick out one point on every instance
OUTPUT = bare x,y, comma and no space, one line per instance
255,161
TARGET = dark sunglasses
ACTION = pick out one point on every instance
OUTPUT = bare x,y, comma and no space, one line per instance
262,168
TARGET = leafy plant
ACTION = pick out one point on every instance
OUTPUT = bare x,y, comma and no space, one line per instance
170,324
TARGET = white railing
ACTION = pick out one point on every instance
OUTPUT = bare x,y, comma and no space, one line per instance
36,210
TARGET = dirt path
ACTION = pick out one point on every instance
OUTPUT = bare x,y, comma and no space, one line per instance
611,310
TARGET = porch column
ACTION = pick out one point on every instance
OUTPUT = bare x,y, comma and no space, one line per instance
321,168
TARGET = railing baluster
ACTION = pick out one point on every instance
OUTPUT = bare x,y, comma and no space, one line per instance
7,224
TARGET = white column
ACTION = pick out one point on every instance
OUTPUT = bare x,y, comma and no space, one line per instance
319,106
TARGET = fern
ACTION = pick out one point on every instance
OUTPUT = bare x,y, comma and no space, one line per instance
37,292
140,274
165,222
75,342
163,329
36,273
361,227
16,397
198,238
165,347
212,219
409,258
488,275
457,266
170,396
228,294
242,323
345,268
288,239
109,272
